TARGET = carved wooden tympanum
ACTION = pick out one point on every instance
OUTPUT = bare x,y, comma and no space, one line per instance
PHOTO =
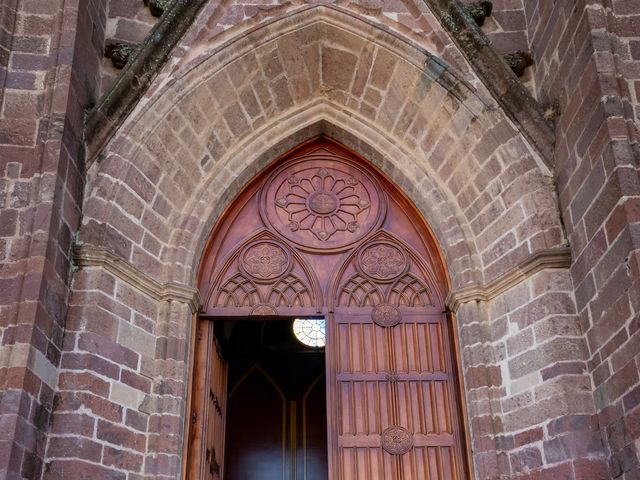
321,232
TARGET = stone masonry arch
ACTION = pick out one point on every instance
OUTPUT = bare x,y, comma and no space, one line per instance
189,148
453,136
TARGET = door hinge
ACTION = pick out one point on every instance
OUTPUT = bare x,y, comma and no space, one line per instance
194,417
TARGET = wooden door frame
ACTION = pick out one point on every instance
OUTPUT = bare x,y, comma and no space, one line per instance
436,257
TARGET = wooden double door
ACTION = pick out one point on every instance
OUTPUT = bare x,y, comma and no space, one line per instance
321,233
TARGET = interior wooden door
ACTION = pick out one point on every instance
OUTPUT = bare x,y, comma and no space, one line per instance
322,232
208,407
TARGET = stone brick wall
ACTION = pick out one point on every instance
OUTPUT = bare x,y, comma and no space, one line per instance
584,59
46,84
121,393
149,200
250,80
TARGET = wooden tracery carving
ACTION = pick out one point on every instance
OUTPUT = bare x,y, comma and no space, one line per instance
237,291
263,276
265,260
385,272
359,291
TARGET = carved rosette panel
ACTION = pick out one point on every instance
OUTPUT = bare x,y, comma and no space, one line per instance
386,315
265,261
382,261
326,207
397,440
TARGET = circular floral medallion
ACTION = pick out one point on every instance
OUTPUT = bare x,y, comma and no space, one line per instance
386,315
383,262
263,310
396,440
265,260
322,205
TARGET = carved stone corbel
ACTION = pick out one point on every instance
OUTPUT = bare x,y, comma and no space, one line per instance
479,10
518,61
119,53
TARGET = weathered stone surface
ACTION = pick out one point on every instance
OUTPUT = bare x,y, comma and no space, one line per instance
103,363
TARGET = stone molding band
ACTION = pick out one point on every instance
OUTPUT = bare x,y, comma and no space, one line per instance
92,256
538,261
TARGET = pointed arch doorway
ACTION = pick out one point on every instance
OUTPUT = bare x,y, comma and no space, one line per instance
323,234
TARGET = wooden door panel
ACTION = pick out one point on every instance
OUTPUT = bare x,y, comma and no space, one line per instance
430,463
208,411
398,376
363,348
366,464
364,408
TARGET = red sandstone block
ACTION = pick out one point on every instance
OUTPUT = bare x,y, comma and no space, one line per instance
90,362
72,423
510,20
559,349
122,459
169,386
551,303
135,380
77,381
8,222
65,447
629,350
74,401
525,460
563,368
136,420
484,375
162,465
621,381
108,349
164,424
528,436
614,344
165,443
22,378
121,436
63,469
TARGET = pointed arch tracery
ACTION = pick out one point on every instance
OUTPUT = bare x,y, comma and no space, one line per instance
320,241
332,236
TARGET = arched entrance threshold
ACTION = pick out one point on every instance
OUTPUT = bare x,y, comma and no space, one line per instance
323,234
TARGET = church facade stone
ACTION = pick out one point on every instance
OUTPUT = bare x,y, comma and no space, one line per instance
112,181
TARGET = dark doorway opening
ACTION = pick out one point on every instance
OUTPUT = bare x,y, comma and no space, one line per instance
276,425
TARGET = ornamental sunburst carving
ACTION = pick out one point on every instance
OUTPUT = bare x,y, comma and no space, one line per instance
323,203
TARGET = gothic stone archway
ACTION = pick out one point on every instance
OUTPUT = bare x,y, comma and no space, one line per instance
321,232
174,166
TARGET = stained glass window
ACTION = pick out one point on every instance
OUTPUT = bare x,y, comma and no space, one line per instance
310,331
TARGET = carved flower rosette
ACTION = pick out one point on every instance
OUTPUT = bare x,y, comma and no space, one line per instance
382,261
396,440
265,261
326,207
386,315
